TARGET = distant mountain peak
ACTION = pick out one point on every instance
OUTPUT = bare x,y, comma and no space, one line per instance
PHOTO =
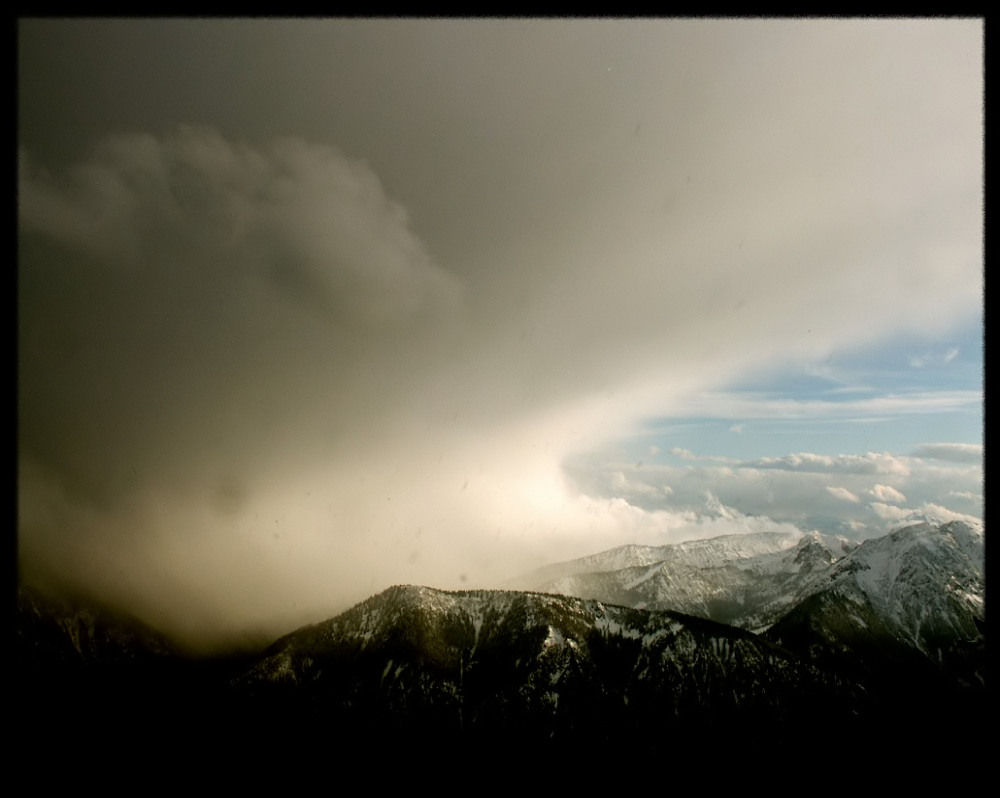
699,553
923,581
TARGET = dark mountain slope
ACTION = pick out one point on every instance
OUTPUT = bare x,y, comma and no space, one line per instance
904,614
91,685
488,668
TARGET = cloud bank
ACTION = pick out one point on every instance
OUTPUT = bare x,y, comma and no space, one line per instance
872,493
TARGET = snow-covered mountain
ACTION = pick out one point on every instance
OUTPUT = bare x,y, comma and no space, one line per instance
694,553
927,578
921,586
905,610
833,643
744,580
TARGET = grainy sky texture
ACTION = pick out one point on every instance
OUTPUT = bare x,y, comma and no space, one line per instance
310,307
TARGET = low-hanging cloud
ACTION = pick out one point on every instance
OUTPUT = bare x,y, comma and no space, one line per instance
887,493
868,498
968,453
197,317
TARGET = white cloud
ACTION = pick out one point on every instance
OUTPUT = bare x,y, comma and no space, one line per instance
969,453
890,512
749,405
842,493
799,492
966,494
886,493
869,463
627,488
934,358
941,513
929,511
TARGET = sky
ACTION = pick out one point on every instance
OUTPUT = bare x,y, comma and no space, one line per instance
307,308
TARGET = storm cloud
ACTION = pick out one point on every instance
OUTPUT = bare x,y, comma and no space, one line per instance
325,305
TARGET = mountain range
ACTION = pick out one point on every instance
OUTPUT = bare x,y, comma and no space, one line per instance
748,643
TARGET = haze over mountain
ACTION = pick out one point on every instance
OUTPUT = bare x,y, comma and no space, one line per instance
307,308
878,647
921,586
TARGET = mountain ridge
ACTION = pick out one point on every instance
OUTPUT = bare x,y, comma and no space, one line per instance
882,640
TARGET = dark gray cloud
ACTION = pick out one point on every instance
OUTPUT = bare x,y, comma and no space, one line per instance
310,307
188,299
